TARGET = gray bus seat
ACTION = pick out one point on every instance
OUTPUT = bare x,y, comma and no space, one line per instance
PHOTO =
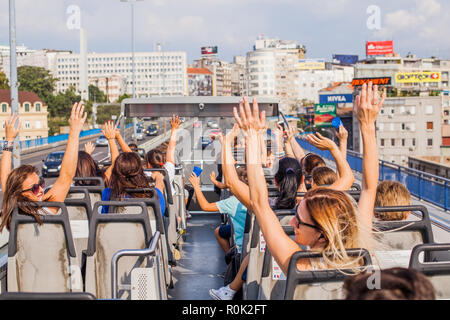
272,284
437,271
42,258
156,224
256,254
404,235
319,284
114,232
79,208
170,219
95,191
46,296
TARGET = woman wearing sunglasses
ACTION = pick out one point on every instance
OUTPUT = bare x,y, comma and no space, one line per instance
326,219
23,186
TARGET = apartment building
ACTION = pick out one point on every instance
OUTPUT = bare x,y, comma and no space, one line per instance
32,111
221,71
409,126
157,73
272,69
238,77
396,67
113,86
311,82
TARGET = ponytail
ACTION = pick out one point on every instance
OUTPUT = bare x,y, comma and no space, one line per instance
288,177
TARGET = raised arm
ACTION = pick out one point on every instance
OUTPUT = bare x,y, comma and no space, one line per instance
366,109
11,133
279,244
203,203
346,178
218,184
342,136
110,133
296,149
238,188
59,190
175,123
123,145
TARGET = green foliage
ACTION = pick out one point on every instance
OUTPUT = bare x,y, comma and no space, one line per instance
96,95
105,113
123,97
4,83
38,80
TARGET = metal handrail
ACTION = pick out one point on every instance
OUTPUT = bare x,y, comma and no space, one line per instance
151,250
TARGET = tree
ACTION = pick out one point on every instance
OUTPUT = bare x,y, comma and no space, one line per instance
4,83
96,95
38,80
123,97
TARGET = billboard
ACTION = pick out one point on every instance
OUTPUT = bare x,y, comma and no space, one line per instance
417,77
378,81
324,114
335,98
311,64
374,48
209,50
200,84
345,58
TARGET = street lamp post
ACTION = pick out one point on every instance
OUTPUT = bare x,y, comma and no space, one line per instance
13,76
133,76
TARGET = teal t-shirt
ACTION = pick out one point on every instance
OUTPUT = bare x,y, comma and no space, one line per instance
238,213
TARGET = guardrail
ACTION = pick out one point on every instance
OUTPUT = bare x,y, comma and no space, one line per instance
425,186
58,138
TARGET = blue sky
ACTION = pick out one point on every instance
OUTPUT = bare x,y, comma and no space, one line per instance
324,26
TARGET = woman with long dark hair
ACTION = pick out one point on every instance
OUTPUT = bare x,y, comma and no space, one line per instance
128,173
23,186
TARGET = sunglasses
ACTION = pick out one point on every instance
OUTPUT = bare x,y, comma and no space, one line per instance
35,187
300,222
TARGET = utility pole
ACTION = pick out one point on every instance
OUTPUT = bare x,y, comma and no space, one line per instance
13,76
133,76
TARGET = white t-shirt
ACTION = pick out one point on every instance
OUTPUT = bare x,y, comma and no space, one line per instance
170,167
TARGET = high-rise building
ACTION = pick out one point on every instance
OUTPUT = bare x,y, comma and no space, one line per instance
238,77
272,68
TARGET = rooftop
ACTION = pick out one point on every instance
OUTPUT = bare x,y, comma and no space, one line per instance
24,96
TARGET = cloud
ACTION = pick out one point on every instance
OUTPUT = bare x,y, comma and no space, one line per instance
419,26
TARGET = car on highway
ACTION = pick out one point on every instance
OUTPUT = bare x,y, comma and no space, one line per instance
213,124
139,135
197,124
152,130
101,141
52,164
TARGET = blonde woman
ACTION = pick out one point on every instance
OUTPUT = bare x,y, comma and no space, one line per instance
326,220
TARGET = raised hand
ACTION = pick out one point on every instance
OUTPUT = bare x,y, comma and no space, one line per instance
342,133
10,130
234,132
194,180
110,130
321,142
250,120
77,117
89,148
175,122
213,177
368,104
290,133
